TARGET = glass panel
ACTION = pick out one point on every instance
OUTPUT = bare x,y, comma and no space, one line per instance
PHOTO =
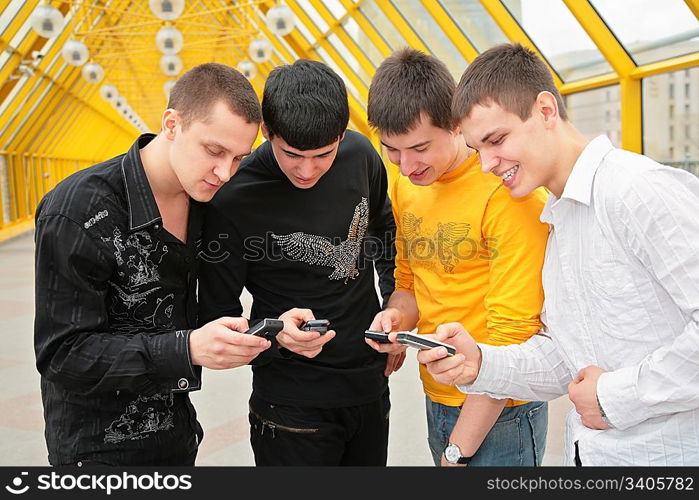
650,30
564,43
349,59
432,35
671,118
595,112
355,33
378,19
475,23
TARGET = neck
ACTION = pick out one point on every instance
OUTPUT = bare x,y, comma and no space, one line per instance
462,153
161,177
570,144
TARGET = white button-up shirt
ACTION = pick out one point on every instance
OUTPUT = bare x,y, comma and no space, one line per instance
621,284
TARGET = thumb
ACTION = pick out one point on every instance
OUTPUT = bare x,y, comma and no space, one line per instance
448,330
237,324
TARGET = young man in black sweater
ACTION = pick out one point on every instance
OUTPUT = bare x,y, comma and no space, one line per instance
299,226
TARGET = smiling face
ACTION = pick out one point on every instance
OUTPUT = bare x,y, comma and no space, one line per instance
303,167
520,152
426,152
205,154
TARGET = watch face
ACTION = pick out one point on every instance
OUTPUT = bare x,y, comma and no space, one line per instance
452,453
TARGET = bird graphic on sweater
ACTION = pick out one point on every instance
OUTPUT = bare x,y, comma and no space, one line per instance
320,251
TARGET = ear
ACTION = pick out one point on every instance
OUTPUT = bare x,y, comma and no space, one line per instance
547,107
170,120
265,132
342,136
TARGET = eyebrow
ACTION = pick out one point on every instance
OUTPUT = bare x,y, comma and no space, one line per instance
215,144
489,134
287,151
414,146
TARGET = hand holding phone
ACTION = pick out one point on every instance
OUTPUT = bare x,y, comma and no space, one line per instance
316,325
267,328
378,336
422,342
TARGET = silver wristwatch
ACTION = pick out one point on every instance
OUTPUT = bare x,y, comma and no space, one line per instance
453,455
603,414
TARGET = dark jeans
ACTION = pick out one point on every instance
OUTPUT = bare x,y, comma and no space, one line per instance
292,435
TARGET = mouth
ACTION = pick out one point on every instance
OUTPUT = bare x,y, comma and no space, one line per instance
509,176
419,174
303,181
211,185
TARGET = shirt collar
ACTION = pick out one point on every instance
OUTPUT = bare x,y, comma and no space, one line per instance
578,187
143,210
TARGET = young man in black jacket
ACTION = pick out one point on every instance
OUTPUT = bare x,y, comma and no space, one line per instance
116,271
299,226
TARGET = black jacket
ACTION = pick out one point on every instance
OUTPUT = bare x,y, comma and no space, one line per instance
115,303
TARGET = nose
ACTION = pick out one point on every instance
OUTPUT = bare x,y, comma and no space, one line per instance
225,172
488,161
407,163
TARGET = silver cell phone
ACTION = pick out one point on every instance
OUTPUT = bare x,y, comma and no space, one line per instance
267,328
422,342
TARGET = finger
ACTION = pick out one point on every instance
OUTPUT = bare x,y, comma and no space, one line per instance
386,323
237,324
376,323
401,360
429,355
448,330
389,365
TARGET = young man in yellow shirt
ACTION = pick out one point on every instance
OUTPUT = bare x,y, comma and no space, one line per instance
467,252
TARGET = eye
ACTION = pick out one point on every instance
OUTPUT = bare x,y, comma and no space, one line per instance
213,153
497,141
421,150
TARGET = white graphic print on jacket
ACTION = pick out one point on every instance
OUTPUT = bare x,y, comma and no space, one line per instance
319,250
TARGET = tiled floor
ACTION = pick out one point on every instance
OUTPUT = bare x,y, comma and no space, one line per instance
221,404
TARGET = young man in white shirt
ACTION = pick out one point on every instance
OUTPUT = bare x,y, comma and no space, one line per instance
621,275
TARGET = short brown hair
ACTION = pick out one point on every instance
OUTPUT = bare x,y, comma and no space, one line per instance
511,76
407,83
201,87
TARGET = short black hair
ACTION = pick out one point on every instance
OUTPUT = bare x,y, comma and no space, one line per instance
305,103
406,84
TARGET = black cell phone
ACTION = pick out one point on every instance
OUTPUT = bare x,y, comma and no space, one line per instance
317,325
267,328
378,336
422,342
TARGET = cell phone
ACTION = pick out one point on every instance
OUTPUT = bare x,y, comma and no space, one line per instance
378,336
267,328
317,325
422,342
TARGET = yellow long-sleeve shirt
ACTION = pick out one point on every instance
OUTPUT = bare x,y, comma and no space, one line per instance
470,253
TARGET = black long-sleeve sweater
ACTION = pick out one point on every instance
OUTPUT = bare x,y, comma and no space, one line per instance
310,248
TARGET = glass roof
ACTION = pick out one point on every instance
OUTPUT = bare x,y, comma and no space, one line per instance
649,30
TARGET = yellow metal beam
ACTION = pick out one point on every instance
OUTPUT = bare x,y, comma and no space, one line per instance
512,30
666,66
402,25
602,36
337,28
693,6
367,28
589,83
349,72
450,28
623,64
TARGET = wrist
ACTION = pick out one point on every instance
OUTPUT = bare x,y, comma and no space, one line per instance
602,413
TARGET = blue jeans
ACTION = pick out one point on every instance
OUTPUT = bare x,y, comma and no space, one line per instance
518,437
